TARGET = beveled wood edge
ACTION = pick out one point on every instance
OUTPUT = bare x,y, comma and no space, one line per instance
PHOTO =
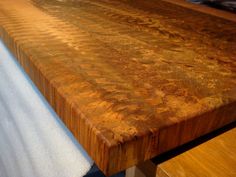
204,9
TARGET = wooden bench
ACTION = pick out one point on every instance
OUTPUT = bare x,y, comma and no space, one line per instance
216,157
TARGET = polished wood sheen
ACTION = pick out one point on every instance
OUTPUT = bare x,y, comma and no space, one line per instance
214,158
130,78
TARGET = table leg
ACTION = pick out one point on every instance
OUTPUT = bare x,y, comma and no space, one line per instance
134,172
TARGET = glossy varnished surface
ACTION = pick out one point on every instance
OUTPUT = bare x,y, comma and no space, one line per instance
130,79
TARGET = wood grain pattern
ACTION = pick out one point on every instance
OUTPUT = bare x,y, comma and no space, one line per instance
130,79
214,158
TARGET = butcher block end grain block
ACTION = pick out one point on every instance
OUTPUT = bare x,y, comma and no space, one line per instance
214,158
130,79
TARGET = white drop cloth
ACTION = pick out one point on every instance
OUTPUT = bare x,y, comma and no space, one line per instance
33,141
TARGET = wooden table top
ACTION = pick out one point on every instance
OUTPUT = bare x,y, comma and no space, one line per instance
130,79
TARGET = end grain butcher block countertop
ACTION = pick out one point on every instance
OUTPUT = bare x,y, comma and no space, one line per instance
130,78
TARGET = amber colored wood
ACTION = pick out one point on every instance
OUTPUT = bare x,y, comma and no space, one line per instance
214,158
130,78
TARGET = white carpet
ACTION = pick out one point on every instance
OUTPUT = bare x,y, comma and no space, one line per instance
33,140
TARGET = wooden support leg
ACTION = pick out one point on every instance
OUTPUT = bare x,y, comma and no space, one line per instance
134,172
